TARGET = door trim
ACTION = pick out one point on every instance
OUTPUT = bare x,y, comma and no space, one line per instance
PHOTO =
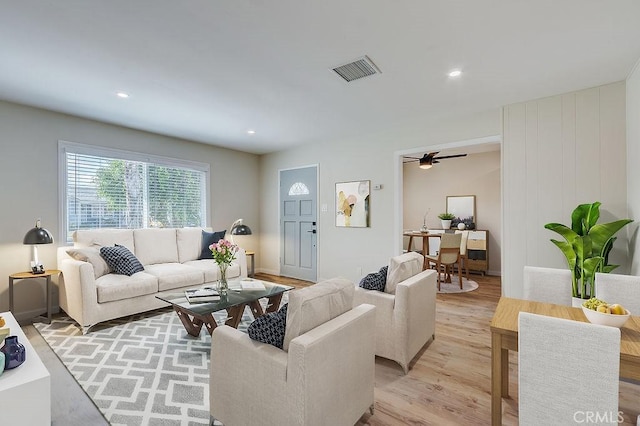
318,237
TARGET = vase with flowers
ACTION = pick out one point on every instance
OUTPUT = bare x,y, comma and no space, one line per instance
224,252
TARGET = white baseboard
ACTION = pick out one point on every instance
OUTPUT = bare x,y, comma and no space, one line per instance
268,271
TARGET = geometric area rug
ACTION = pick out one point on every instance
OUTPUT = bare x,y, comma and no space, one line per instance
140,370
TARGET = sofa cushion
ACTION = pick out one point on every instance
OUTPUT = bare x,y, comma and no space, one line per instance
189,243
92,256
311,306
403,267
375,280
175,275
156,245
211,270
104,237
112,287
269,328
209,238
121,260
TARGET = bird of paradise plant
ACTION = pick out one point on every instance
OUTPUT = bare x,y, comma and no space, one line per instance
587,246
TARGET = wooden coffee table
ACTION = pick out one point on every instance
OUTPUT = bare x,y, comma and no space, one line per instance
194,315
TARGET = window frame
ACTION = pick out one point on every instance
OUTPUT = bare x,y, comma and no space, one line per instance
65,147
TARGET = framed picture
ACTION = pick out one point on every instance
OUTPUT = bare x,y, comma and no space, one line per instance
352,204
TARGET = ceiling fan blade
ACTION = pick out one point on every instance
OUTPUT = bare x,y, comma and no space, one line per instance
413,158
410,161
450,156
434,162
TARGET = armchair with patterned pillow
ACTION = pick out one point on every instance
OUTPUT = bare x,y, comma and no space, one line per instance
405,310
323,375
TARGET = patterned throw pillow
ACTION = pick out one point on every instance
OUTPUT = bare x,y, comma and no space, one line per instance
270,328
209,238
121,260
375,280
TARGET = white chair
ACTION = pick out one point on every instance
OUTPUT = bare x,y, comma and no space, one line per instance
547,285
323,376
622,289
406,315
463,252
567,370
448,256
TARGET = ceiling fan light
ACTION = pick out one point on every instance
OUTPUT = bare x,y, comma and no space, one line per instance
425,166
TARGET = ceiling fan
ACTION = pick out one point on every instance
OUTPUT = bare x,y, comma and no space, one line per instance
427,160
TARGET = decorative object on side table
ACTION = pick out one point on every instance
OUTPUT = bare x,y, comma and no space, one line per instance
14,352
424,227
224,252
587,246
445,219
35,236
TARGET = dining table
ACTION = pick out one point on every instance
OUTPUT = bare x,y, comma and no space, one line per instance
504,338
425,243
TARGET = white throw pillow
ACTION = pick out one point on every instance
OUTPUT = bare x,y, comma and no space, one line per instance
92,256
401,268
311,306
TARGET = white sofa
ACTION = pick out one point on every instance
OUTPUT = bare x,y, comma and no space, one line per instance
324,375
170,260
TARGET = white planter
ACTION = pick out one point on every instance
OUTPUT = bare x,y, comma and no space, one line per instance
577,302
446,224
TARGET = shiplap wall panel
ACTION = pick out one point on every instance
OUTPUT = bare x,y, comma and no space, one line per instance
559,152
550,189
514,198
568,182
531,172
588,149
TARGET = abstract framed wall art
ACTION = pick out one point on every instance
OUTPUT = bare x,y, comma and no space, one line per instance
352,204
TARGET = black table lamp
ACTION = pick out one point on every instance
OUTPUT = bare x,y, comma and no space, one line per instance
238,228
33,237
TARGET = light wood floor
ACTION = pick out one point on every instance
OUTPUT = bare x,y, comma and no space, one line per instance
448,384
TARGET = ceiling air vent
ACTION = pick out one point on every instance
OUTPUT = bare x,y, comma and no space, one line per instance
359,68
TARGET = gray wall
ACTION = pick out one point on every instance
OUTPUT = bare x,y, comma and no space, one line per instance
559,152
351,252
29,189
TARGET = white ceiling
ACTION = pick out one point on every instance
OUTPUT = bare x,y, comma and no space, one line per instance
210,70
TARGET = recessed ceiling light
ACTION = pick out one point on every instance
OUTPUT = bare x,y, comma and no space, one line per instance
122,95
251,132
455,73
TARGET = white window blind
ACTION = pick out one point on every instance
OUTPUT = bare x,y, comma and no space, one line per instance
106,192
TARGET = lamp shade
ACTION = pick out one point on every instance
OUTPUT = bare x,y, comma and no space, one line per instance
241,230
38,235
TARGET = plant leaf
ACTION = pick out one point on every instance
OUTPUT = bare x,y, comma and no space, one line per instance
602,232
584,217
566,232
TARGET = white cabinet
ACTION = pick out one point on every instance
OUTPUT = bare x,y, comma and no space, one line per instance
25,391
478,251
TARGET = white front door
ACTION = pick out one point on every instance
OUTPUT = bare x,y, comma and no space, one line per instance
298,223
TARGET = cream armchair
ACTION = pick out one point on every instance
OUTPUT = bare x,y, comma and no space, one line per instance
323,376
406,318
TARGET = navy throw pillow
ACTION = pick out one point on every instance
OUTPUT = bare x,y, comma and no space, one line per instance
121,260
209,238
270,328
375,280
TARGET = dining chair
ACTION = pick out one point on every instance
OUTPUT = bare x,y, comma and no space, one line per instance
547,285
463,252
622,289
448,256
567,370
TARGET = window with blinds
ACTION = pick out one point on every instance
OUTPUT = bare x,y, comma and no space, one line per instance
121,191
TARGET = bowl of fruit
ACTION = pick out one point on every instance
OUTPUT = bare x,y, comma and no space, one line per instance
600,312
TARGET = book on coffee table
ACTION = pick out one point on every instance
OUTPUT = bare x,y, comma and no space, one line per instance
202,295
251,284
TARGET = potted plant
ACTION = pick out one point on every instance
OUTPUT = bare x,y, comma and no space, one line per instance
587,246
445,219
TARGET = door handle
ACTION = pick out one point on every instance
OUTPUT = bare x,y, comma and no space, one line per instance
313,231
